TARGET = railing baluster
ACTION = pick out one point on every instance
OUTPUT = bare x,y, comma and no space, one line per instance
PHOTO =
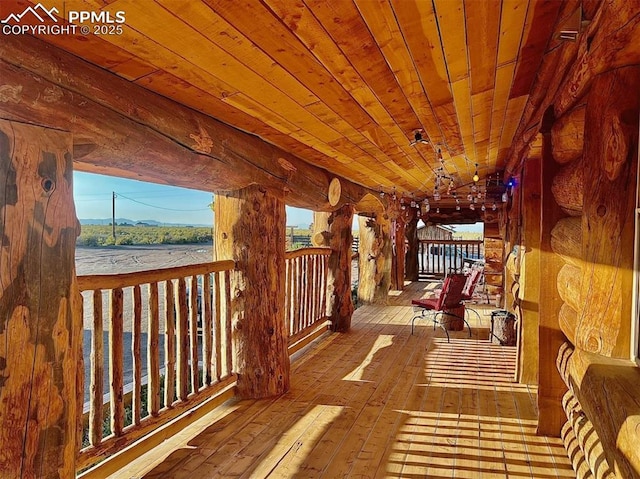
287,297
296,295
193,334
153,358
316,288
116,357
218,328
207,331
182,363
325,275
136,400
97,372
227,321
308,287
169,345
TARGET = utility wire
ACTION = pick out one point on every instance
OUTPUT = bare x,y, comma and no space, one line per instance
120,195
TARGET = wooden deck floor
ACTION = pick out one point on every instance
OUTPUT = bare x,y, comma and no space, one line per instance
376,402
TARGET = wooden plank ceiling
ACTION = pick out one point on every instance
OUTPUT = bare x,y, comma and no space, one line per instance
343,84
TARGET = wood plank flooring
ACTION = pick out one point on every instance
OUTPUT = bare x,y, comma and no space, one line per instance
376,402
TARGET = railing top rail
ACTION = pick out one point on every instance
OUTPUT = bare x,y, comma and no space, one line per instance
123,280
307,251
457,242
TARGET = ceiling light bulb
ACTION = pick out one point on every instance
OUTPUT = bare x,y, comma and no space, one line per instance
494,207
457,207
438,210
476,178
472,207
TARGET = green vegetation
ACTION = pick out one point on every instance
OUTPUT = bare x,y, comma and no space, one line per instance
101,235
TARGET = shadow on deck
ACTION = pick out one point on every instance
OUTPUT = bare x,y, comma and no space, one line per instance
376,402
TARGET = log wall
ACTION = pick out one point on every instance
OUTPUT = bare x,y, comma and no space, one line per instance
590,119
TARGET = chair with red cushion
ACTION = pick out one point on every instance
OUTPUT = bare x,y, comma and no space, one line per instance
438,308
473,278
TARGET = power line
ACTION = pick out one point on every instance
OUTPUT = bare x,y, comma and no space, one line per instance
120,195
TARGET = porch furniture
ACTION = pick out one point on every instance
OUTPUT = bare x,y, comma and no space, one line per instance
444,308
473,279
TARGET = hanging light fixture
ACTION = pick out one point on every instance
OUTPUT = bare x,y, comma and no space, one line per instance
436,192
418,138
494,207
472,207
438,210
476,177
483,207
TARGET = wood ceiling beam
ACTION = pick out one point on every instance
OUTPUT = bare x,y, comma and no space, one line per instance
139,134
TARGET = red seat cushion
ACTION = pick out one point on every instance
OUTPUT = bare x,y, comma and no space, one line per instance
428,303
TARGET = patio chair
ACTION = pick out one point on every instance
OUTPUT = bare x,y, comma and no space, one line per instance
438,309
473,279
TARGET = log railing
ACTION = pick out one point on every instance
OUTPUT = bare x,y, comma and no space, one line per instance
306,283
437,257
168,348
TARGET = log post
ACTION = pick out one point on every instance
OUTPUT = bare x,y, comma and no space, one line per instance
551,388
374,250
339,302
530,271
411,259
40,318
398,254
610,151
250,230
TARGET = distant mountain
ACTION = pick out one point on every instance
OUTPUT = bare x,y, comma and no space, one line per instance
122,221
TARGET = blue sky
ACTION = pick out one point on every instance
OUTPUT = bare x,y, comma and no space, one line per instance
137,200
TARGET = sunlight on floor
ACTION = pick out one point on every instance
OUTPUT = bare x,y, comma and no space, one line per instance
312,427
383,341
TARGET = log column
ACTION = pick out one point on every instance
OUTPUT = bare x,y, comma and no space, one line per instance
250,229
529,291
551,388
398,254
374,252
334,230
40,320
411,259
